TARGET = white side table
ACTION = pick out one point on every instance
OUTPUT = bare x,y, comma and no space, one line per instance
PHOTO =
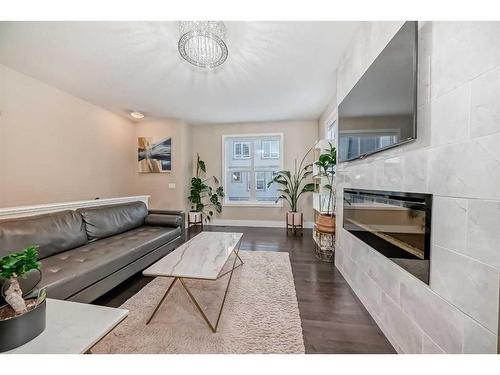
72,328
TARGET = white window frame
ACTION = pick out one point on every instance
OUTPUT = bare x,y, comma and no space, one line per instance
331,126
249,180
241,156
270,155
279,204
331,130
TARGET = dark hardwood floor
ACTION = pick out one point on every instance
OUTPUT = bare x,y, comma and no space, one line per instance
333,318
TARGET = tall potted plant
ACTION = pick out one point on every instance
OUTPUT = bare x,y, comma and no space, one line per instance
20,320
204,197
292,185
326,164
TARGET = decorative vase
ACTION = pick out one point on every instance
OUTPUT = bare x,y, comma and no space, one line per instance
326,223
20,329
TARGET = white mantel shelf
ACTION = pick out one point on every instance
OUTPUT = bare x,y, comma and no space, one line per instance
13,212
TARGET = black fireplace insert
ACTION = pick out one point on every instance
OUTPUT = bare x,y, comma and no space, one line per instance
396,224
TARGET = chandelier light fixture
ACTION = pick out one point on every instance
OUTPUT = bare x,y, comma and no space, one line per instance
202,43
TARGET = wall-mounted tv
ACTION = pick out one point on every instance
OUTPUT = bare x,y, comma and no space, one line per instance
380,111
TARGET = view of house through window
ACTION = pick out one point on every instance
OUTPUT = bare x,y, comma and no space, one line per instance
249,164
241,150
236,177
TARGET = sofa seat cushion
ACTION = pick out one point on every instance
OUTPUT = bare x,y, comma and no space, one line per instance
106,221
69,272
53,233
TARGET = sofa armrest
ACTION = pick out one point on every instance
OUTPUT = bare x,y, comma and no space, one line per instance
157,220
177,213
167,212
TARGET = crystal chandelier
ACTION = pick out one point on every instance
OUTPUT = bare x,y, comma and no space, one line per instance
202,43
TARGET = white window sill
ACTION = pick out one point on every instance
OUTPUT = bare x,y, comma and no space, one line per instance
252,204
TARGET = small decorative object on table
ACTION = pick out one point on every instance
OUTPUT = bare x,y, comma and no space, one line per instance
199,194
20,320
292,187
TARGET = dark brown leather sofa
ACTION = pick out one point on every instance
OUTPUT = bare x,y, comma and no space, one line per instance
87,252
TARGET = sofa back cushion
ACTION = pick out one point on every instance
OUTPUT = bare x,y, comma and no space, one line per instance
106,221
53,233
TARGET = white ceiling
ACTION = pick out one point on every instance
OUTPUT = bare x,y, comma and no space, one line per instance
274,71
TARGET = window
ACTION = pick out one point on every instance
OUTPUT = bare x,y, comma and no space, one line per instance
249,163
330,130
270,149
260,181
241,150
236,177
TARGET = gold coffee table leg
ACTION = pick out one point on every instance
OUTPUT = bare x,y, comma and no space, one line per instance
162,299
231,270
212,327
191,296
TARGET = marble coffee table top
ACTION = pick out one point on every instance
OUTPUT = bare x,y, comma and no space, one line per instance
72,328
202,257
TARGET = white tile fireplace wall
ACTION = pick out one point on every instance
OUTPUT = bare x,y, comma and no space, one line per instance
457,159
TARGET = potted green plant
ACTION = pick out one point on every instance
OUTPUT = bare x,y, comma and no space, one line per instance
291,187
204,198
325,222
20,320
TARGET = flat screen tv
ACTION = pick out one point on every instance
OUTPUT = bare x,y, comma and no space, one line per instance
380,111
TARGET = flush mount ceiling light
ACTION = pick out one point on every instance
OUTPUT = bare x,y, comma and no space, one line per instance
137,115
202,43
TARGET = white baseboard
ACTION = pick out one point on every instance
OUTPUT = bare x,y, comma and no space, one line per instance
255,223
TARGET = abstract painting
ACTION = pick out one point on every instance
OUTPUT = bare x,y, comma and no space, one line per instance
154,156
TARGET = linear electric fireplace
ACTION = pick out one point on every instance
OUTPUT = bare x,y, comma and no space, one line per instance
396,224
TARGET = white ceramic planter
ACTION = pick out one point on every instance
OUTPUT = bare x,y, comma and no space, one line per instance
194,217
294,218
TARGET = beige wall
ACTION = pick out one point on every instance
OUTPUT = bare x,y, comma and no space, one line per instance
298,137
55,147
157,184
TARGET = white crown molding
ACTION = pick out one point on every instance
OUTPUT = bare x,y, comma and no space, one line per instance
12,212
255,223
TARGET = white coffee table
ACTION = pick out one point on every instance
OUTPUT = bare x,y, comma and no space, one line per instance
72,328
202,257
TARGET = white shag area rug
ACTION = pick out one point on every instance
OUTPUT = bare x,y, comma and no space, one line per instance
261,313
